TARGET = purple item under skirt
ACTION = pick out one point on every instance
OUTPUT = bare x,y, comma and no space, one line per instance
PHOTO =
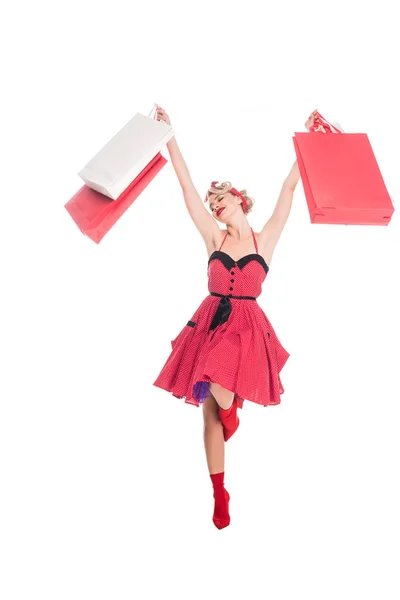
201,390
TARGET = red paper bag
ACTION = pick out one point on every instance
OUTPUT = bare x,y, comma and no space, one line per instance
341,178
95,213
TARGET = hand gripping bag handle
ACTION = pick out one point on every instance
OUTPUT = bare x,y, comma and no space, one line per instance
322,125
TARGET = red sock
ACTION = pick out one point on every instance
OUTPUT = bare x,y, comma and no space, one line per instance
221,516
229,419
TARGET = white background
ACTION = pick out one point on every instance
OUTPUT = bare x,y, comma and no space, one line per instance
105,491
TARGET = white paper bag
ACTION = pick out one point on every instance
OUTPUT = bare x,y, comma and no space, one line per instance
121,160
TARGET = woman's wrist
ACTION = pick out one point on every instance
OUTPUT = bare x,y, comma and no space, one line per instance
172,142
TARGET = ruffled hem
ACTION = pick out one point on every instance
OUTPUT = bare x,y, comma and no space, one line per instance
201,391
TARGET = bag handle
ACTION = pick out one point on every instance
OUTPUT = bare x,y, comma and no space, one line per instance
321,124
155,113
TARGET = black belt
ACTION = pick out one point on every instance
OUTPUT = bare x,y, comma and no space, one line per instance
224,308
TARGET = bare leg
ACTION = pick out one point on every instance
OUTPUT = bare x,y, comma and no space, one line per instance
215,451
213,436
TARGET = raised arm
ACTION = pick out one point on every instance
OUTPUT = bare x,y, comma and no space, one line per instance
273,228
203,220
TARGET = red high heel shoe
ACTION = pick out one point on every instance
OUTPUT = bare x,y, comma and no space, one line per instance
221,517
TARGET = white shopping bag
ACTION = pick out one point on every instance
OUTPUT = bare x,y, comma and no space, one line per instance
121,160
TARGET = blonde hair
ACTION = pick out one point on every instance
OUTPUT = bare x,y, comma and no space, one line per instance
225,187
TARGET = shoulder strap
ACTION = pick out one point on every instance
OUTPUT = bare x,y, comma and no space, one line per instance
223,241
254,238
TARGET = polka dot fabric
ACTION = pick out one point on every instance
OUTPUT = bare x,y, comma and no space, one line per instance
228,339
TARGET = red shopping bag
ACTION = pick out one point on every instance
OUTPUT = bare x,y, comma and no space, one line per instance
341,177
95,213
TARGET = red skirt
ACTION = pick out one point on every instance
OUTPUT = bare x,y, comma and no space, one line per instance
243,355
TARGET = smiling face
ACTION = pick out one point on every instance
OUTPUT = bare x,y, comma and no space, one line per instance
228,202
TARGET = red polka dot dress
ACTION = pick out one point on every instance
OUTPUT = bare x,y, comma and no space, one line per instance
228,339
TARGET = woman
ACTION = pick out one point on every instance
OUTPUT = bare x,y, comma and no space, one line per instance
228,350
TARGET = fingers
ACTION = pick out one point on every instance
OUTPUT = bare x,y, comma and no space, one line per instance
162,115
